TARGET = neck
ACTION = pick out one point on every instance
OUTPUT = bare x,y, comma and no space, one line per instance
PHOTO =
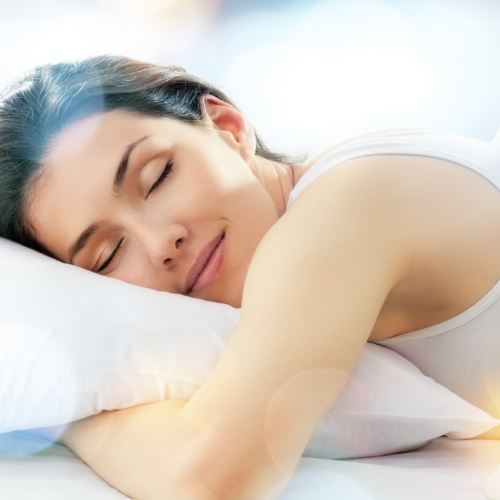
278,178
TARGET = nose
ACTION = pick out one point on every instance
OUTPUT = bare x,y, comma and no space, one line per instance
164,246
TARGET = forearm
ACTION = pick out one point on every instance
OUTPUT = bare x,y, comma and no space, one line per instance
141,451
258,434
157,451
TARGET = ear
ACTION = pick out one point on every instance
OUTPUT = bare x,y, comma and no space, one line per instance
225,117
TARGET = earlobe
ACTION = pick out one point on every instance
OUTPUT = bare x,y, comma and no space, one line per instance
226,117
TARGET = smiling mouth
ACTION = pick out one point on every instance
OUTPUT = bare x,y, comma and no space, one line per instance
211,268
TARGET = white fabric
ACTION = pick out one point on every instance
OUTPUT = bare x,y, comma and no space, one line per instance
74,343
477,155
491,484
444,469
471,339
496,139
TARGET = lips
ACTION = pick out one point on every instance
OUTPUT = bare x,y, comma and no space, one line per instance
200,261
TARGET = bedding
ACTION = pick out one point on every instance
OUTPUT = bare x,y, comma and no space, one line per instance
69,348
443,469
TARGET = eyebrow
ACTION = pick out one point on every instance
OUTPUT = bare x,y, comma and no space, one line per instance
121,173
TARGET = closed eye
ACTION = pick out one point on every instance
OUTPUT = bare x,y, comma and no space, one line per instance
110,258
168,168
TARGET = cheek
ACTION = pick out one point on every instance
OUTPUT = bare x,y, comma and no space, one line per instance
135,271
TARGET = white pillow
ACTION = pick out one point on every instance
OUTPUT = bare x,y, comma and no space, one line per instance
74,343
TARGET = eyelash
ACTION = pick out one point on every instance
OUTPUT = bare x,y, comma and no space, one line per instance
166,171
110,258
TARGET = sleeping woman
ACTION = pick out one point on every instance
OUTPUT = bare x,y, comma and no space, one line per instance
150,175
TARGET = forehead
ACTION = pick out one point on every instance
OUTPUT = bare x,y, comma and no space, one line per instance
107,132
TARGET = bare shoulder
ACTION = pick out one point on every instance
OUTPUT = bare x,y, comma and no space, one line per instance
440,214
344,232
364,195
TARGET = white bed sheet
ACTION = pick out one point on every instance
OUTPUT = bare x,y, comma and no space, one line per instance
443,469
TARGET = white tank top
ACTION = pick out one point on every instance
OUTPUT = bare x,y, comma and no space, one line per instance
462,353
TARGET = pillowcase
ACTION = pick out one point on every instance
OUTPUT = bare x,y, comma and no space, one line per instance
491,485
74,343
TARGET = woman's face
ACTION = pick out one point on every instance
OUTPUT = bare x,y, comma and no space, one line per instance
214,185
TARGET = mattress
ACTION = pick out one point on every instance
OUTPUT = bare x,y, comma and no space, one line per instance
443,469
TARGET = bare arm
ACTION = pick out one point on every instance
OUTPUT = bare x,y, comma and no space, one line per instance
314,289
141,451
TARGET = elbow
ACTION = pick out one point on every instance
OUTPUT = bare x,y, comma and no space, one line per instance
225,473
